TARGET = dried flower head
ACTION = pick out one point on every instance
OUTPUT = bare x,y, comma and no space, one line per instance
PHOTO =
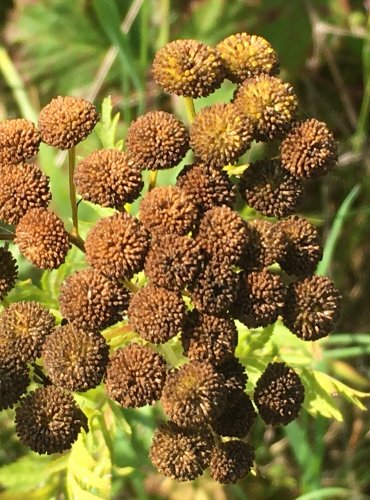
312,307
25,326
234,375
109,178
279,394
193,395
303,248
48,420
268,188
135,376
188,68
209,338
8,272
168,209
269,104
14,378
267,245
22,187
19,140
92,301
75,359
237,418
207,186
173,261
309,150
220,134
231,461
42,238
156,314
179,453
260,299
117,246
246,55
157,140
66,121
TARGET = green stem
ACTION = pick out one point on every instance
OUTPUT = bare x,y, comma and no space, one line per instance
72,189
190,109
152,179
164,29
77,241
7,236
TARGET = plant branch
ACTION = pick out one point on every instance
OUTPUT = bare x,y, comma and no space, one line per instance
72,189
190,110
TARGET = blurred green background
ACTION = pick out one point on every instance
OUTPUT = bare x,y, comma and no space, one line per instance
95,48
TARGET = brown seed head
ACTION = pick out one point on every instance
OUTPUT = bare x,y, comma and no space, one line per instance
269,189
188,68
237,418
135,376
279,394
245,56
157,140
312,307
267,245
309,150
231,461
22,187
19,140
234,374
14,378
66,121
8,272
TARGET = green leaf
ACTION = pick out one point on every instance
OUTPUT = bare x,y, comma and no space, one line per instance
327,493
26,474
106,129
318,401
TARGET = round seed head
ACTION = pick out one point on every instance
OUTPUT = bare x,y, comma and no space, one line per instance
279,394
179,453
168,209
19,140
309,150
188,68
267,245
8,272
135,376
269,189
156,314
260,299
22,187
48,420
237,418
303,248
24,326
157,140
193,395
66,121
42,238
312,307
75,359
109,178
173,261
224,235
234,375
206,185
246,55
14,378
92,301
117,246
215,289
220,134
269,104
209,338
231,461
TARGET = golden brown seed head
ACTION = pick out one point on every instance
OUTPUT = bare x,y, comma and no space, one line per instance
14,378
188,68
66,121
245,56
19,140
8,272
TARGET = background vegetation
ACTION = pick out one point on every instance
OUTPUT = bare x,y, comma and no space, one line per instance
93,48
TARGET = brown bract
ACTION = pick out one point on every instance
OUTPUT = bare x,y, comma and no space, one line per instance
157,140
22,187
135,376
48,420
117,246
8,271
231,461
269,189
312,307
188,68
269,104
220,134
109,178
309,150
247,55
92,301
19,140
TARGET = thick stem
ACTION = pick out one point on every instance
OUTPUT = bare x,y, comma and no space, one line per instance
130,286
77,241
72,189
189,104
152,179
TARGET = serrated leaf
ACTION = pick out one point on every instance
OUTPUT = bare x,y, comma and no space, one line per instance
25,474
106,129
335,387
318,401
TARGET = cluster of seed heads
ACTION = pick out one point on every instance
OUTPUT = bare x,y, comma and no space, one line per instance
204,266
